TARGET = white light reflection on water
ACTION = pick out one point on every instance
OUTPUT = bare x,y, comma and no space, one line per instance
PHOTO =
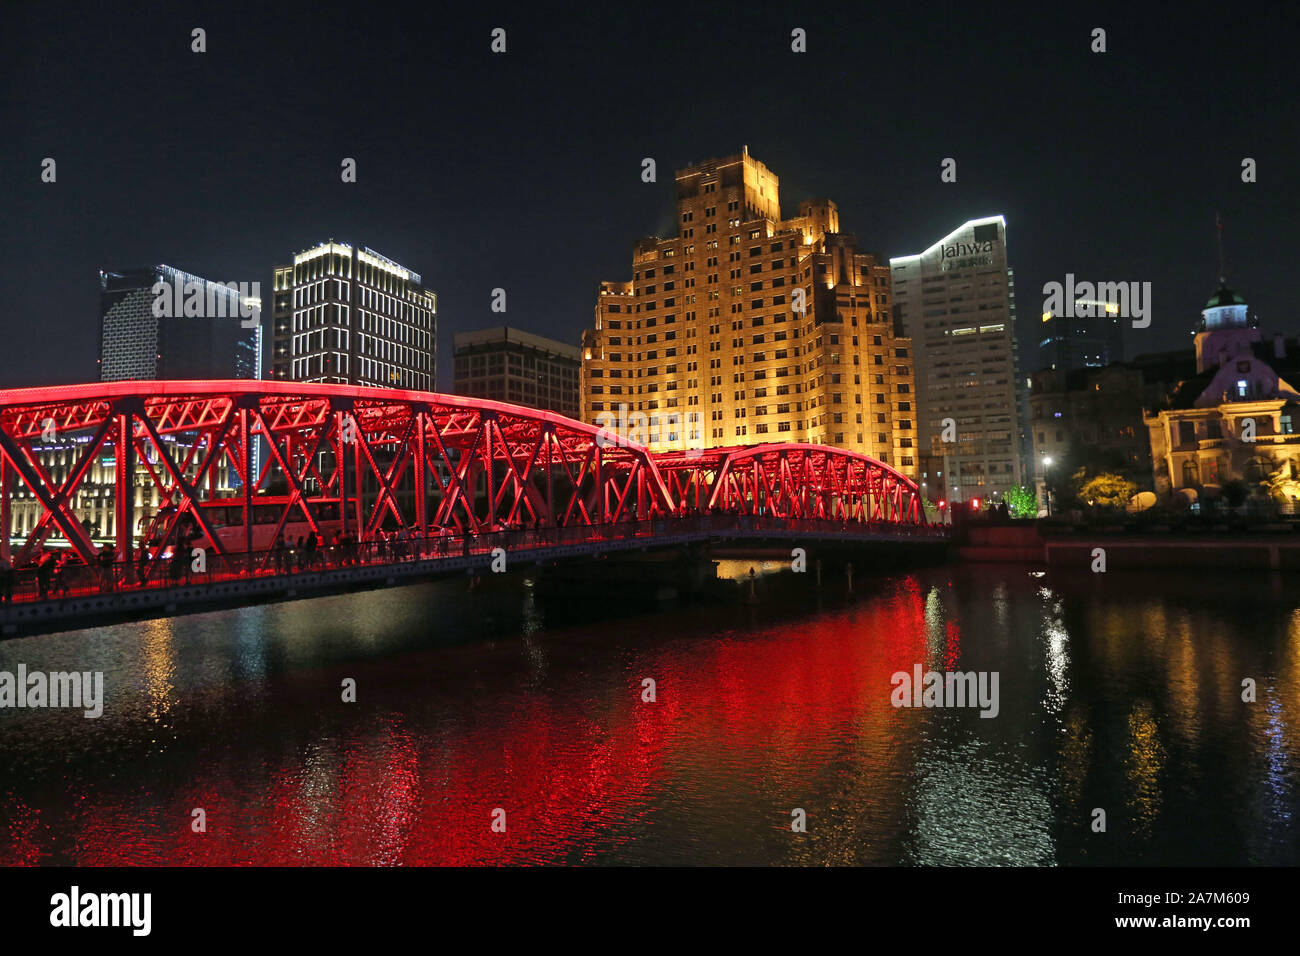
977,809
1056,642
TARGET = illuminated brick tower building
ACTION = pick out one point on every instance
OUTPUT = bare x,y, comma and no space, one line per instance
747,328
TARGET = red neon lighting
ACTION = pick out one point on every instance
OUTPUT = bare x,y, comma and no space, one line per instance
421,460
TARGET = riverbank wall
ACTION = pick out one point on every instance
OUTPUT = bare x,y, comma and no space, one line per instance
1037,545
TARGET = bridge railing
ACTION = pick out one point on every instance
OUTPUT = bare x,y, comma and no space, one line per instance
175,569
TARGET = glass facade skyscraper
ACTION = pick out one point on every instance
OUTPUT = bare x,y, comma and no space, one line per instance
138,343
1081,341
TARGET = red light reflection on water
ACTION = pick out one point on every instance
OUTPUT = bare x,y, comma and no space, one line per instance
569,769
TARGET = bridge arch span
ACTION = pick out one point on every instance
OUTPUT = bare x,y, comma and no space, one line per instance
237,463
792,480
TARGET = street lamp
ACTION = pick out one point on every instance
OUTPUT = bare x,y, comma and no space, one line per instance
1047,489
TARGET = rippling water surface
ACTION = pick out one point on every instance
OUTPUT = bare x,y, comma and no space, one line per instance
1122,693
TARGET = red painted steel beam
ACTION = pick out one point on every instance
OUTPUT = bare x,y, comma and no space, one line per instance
406,442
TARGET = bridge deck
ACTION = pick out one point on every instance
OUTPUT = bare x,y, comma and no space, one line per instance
235,464
81,591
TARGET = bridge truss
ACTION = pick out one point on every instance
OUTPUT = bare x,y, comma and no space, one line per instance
183,454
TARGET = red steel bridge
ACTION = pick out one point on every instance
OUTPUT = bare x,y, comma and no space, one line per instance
234,466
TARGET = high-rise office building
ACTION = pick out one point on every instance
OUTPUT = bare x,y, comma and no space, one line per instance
280,361
507,365
747,328
1090,338
155,323
162,323
956,301
348,315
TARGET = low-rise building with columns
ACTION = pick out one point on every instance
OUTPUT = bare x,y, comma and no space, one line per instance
1235,419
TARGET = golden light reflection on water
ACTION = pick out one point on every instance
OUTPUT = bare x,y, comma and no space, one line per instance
1189,672
735,569
1144,762
158,664
934,622
1289,666
1075,762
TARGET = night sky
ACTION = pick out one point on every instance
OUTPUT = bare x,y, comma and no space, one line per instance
522,170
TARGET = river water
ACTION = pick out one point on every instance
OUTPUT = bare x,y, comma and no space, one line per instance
1118,693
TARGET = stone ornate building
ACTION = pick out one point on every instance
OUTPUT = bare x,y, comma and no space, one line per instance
1235,417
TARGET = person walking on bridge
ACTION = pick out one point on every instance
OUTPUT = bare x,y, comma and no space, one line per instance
44,574
61,574
106,562
179,562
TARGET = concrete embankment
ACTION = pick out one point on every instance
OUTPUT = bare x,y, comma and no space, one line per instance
1032,545
997,544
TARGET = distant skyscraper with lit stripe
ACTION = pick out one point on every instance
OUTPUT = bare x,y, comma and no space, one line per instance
136,343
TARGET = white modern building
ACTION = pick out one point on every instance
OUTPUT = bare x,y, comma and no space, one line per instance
346,314
956,302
